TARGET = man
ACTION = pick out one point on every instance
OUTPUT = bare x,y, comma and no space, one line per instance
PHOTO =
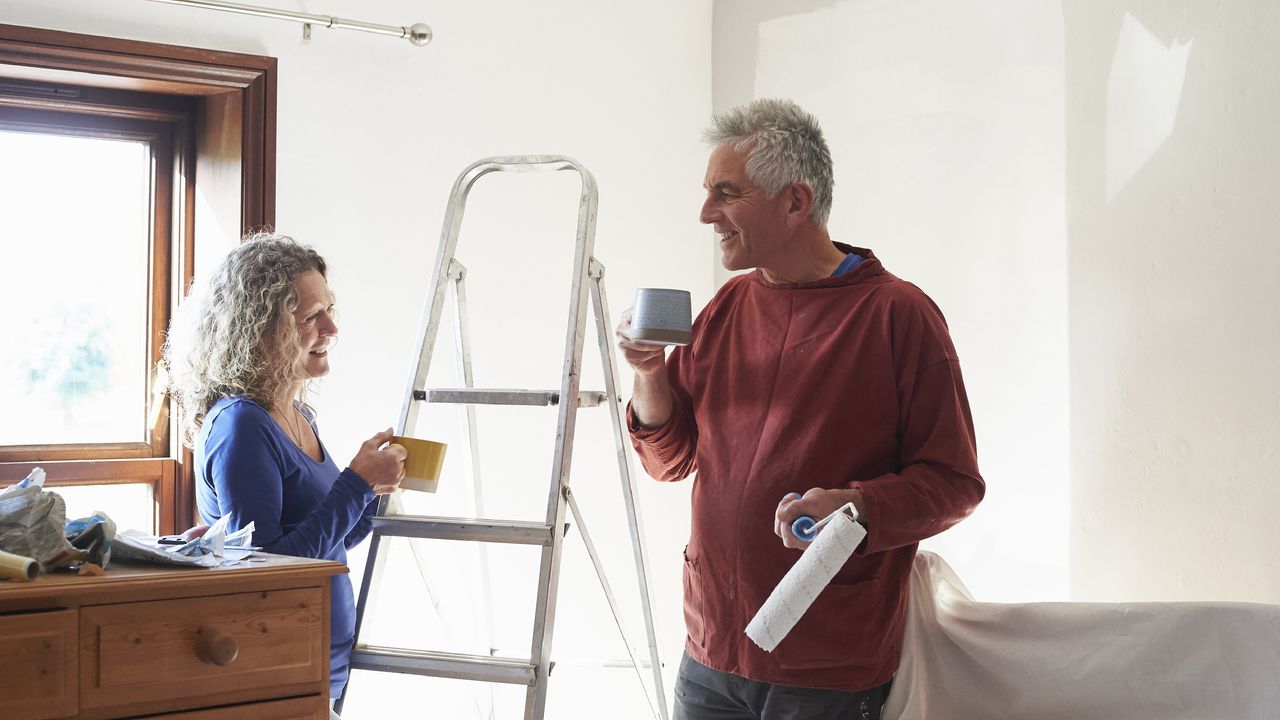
820,374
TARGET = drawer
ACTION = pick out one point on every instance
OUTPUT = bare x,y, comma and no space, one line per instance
197,651
38,665
308,708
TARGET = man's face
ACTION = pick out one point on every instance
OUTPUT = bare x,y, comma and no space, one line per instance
752,228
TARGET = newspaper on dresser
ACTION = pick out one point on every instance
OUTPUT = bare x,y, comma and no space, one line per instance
215,548
32,523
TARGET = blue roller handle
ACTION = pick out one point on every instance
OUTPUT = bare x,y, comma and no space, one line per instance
802,527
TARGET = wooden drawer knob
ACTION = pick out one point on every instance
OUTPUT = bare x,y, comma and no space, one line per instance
216,647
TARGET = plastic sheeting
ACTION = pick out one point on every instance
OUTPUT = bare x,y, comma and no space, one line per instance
1044,661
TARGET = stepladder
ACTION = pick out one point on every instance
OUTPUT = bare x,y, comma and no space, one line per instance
547,535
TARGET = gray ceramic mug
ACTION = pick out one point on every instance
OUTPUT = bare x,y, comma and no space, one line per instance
662,317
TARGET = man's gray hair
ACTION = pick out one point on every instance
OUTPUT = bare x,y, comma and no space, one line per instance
784,145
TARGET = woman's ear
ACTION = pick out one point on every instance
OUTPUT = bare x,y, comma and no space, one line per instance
799,203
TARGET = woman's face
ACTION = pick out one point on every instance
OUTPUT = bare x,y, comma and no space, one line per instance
314,316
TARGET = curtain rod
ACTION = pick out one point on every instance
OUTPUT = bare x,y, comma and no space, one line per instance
418,33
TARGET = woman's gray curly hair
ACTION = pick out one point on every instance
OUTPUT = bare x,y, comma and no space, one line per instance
234,334
784,145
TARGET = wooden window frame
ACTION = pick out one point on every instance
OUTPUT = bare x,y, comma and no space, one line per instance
221,108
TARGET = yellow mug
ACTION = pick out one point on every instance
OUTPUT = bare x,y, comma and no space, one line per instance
422,464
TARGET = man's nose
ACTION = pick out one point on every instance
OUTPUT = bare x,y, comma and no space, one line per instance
710,213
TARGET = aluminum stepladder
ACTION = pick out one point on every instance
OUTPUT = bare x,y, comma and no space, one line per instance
588,275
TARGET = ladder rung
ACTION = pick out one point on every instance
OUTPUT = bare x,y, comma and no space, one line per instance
443,664
593,662
491,396
473,529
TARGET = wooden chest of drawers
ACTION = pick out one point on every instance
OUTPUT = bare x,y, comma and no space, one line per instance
244,642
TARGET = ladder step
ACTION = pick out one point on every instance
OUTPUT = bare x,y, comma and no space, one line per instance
443,664
491,396
472,529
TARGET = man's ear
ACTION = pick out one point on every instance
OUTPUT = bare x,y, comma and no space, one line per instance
799,203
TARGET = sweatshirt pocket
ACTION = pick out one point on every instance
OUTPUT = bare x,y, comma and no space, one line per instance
835,630
693,610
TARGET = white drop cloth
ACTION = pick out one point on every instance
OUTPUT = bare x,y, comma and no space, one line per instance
968,660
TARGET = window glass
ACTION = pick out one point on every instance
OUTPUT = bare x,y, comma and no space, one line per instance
74,224
130,506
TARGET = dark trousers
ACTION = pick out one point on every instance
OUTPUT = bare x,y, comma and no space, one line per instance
706,694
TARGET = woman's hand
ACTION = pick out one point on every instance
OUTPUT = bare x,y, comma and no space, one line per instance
194,532
381,467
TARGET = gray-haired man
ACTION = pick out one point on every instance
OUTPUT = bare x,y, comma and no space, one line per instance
819,374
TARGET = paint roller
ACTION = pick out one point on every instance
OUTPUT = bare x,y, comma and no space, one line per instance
801,585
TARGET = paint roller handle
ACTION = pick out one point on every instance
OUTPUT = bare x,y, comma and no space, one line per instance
802,527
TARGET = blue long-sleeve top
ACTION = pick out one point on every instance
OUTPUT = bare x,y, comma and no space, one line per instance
248,468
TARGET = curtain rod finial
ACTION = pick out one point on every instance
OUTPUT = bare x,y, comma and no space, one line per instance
419,34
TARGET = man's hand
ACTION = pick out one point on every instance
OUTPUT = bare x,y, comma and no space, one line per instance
817,504
651,396
644,358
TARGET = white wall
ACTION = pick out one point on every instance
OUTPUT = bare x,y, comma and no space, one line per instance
1172,187
1087,190
371,134
1099,246
945,122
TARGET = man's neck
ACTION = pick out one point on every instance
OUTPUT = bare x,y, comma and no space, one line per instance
813,257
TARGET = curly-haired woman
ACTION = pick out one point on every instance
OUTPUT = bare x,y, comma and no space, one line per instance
240,355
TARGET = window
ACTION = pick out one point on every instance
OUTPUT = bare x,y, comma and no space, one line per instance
100,141
86,205
77,362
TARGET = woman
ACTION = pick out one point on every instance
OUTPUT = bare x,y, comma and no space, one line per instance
240,355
